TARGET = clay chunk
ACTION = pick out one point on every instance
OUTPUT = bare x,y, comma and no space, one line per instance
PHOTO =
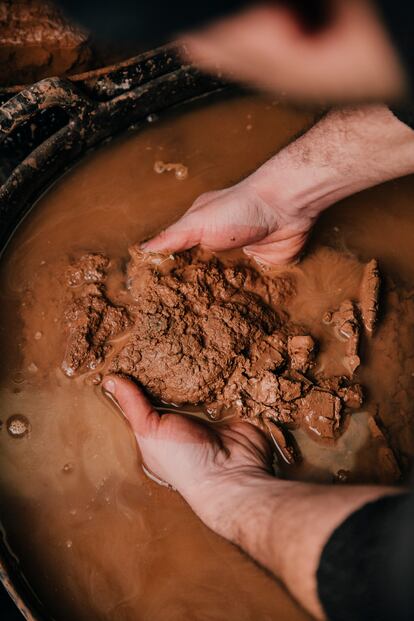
301,351
91,320
321,414
193,327
369,295
200,332
346,326
90,268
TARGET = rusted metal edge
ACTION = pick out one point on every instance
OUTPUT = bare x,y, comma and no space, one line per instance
106,82
89,124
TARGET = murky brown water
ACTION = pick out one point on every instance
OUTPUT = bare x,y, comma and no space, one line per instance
96,539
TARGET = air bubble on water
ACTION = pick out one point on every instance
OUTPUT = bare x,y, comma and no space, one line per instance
69,543
159,167
32,368
67,468
181,172
18,426
38,335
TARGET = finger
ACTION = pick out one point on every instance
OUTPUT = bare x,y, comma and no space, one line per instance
186,232
142,417
180,236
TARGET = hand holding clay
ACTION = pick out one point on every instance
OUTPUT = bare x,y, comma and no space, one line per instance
270,213
224,473
191,456
238,217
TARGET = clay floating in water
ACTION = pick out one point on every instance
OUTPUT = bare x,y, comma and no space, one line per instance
180,171
18,426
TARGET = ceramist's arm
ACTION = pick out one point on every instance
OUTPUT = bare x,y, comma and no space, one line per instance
225,475
271,212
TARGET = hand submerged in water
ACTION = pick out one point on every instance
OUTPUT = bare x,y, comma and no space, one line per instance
224,473
195,458
270,213
248,215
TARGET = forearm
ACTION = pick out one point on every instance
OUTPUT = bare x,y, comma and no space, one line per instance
348,150
284,525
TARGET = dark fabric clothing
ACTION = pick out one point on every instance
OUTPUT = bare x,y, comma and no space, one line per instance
405,114
366,570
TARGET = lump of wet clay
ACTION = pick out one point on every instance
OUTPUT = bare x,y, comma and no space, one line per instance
369,295
349,319
350,393
321,411
346,326
91,320
301,352
201,332
90,268
192,326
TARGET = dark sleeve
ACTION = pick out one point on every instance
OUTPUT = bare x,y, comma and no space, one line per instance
366,570
405,114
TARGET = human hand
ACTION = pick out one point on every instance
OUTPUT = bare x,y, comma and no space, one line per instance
271,212
206,464
247,215
348,57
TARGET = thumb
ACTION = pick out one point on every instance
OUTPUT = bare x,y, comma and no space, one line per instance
187,232
136,408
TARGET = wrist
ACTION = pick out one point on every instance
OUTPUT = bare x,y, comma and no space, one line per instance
347,151
301,182
241,508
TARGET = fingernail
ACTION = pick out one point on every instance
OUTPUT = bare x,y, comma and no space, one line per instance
109,386
109,394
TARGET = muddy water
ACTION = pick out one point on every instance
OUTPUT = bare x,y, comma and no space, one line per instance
95,538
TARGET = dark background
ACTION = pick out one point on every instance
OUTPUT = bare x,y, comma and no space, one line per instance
8,611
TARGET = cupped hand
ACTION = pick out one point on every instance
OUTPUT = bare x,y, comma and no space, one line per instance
247,215
194,457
